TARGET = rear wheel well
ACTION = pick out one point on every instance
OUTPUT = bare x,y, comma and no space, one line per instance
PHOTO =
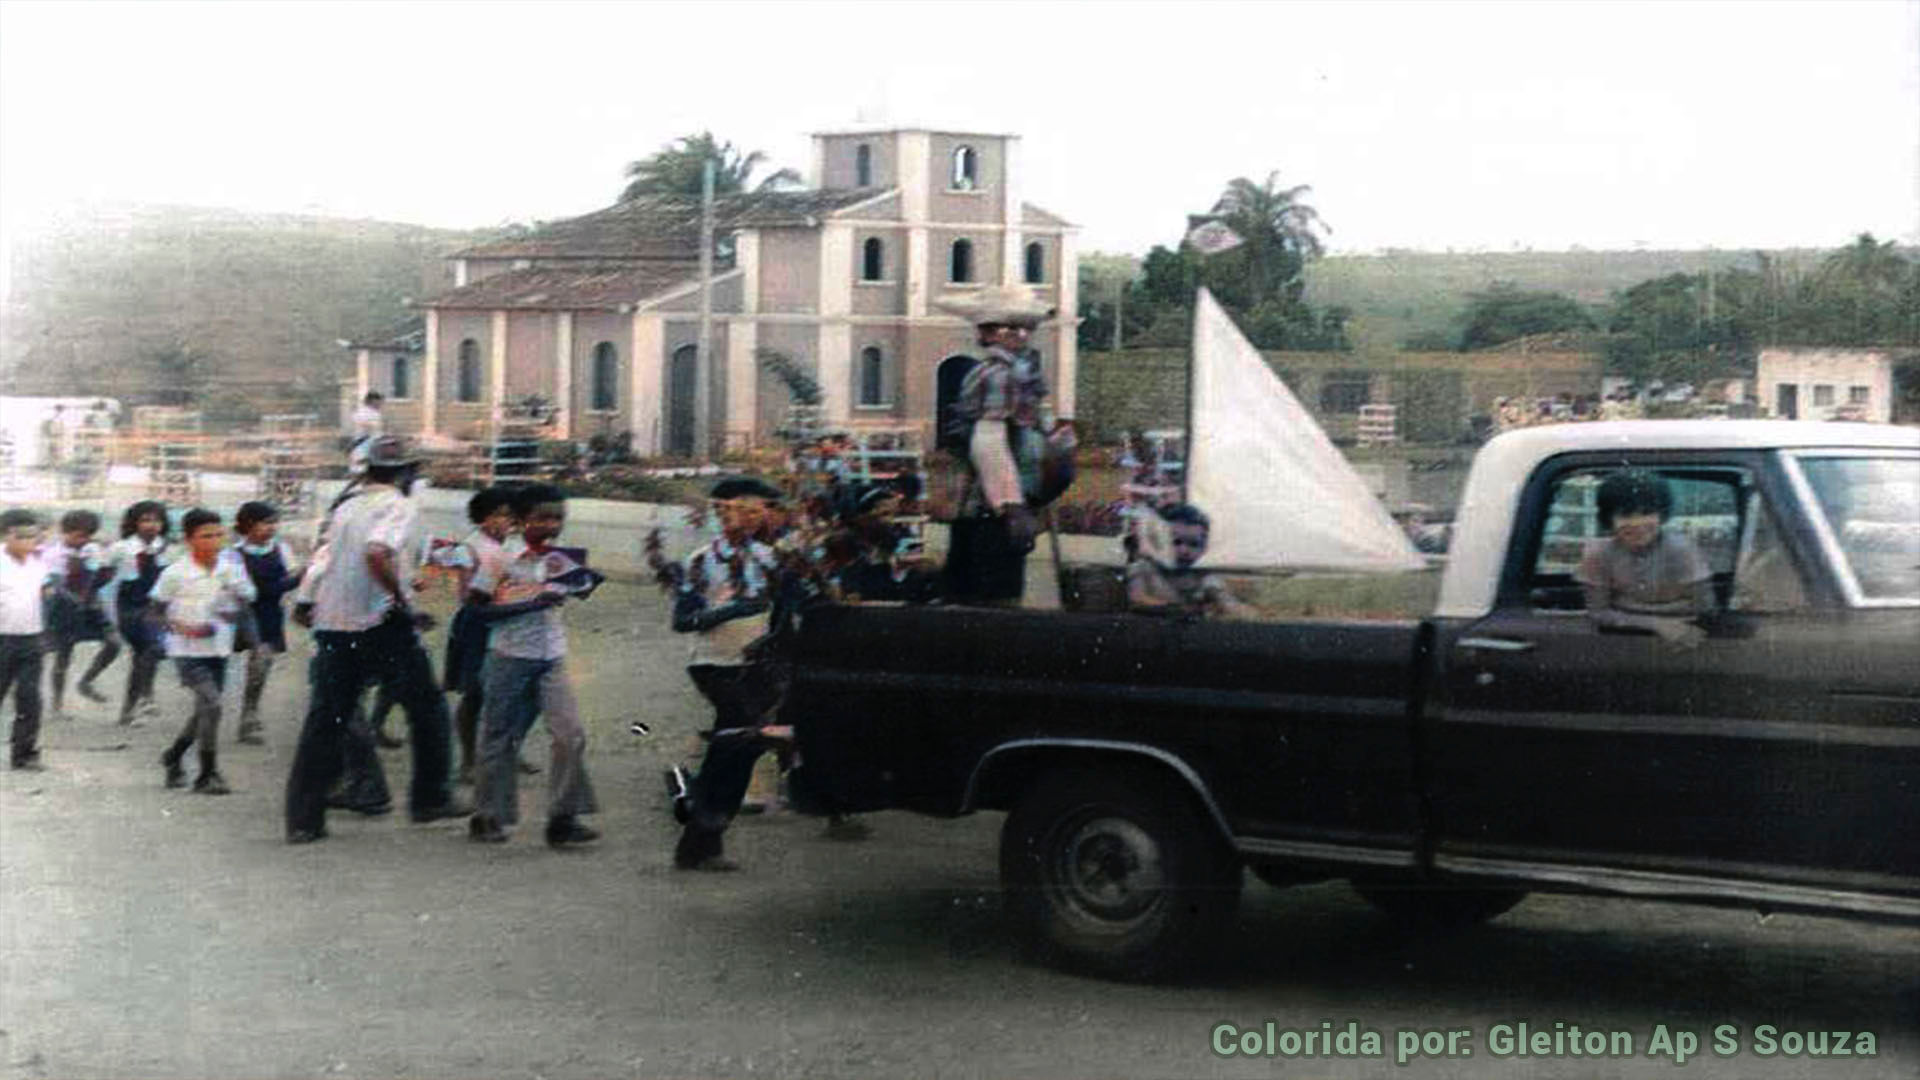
1003,779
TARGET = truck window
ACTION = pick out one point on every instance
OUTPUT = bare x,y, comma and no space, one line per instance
1765,579
1706,511
1871,507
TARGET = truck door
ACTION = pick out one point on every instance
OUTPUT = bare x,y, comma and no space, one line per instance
1784,746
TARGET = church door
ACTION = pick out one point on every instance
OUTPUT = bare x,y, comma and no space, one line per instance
947,379
682,374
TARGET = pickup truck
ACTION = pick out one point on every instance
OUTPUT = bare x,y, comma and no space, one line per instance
1449,765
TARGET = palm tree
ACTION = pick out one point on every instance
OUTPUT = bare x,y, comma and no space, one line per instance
675,169
1281,233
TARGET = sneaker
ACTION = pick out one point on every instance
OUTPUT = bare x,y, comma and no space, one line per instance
712,864
87,691
29,762
306,836
176,774
211,783
482,829
566,831
250,736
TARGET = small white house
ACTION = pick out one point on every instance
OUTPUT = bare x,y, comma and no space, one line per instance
1825,384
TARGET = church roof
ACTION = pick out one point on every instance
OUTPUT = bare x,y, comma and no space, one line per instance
1033,215
665,226
573,288
409,336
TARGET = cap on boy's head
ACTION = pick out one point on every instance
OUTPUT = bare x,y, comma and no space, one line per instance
744,487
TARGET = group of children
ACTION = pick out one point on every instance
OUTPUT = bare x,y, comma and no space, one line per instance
204,597
196,602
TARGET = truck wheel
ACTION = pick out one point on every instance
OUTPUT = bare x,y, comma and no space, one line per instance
1438,908
1116,872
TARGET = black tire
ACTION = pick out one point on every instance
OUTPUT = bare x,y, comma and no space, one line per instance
1116,871
1431,908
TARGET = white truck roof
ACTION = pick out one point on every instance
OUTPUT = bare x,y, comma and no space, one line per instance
1500,470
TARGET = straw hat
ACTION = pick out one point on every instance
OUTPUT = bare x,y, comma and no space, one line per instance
1004,305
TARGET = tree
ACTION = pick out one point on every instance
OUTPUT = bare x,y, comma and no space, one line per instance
1505,312
675,169
1279,235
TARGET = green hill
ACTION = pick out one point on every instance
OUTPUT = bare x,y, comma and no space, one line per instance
253,304
1398,296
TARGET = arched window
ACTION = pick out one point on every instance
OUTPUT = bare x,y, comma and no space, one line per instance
1036,264
872,260
966,169
402,377
873,376
863,166
960,262
467,375
606,377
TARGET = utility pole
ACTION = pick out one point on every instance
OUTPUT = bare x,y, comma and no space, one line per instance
1119,311
703,347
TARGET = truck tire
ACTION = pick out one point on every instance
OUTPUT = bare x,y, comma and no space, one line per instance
1430,908
1116,872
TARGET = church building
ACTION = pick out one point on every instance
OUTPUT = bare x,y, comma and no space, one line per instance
598,316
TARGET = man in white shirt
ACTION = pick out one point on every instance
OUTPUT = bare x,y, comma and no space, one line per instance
24,578
365,630
199,600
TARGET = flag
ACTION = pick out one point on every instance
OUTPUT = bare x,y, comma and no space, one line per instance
1209,236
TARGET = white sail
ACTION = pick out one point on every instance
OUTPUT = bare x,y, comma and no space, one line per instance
1280,494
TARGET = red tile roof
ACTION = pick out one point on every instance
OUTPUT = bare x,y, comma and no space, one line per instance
589,287
659,226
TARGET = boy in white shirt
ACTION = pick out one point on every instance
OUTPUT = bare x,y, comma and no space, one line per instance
199,600
24,579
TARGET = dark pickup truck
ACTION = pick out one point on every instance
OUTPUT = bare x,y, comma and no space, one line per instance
1446,766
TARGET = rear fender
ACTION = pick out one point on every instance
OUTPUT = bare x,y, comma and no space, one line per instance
1005,771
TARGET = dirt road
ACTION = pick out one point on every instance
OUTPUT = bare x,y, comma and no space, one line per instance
154,933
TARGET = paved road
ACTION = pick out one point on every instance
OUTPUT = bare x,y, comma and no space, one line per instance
149,933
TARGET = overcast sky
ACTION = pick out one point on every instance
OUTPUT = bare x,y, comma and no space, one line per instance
1429,125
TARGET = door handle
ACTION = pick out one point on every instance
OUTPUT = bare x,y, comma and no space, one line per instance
1495,644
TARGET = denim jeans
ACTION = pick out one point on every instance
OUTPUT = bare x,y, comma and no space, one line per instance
517,693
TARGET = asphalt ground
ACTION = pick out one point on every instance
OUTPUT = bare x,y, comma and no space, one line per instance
155,933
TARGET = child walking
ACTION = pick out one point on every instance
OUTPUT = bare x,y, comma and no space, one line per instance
526,679
23,590
271,566
484,551
198,599
78,564
136,561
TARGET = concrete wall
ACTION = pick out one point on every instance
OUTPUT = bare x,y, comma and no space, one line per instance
888,296
982,204
789,270
795,340
589,330
1839,370
892,341
530,354
986,257
838,154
